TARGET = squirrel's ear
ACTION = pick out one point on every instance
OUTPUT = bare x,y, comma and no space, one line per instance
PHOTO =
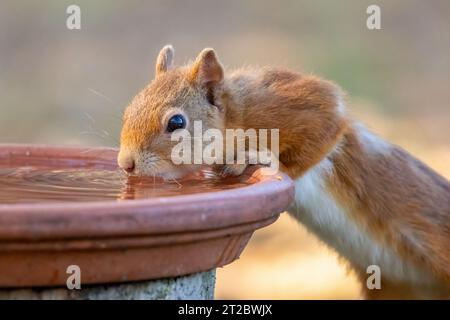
165,59
207,69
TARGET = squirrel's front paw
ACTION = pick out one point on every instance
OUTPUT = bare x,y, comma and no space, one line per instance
233,170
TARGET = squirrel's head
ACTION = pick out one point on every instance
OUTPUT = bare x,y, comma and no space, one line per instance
176,98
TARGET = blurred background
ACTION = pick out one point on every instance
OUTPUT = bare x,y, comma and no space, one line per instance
60,86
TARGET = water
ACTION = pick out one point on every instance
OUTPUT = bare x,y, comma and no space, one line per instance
39,183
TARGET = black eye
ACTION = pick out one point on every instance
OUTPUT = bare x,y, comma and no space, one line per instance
176,122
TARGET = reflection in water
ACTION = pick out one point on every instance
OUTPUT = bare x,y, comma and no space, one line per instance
32,184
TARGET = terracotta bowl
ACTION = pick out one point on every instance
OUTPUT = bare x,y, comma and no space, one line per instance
121,241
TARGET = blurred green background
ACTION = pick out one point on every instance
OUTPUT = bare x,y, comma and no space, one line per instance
63,86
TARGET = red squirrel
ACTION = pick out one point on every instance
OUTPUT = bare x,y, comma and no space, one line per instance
369,200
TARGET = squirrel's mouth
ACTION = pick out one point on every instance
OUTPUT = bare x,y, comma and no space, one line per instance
165,171
149,164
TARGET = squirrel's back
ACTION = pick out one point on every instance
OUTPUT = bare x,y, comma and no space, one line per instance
370,200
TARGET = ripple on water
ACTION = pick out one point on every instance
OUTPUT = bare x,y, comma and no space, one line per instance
34,184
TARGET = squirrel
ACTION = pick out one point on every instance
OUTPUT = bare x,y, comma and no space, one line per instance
369,200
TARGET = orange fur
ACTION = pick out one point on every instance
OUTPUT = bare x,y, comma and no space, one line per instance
389,197
400,200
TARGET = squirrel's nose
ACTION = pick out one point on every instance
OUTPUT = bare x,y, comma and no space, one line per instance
127,164
129,167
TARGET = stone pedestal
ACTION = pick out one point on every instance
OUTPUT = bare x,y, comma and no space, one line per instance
194,286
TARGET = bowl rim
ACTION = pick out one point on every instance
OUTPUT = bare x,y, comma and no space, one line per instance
265,198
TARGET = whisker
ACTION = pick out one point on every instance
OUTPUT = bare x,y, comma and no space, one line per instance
100,95
87,150
91,118
99,135
179,184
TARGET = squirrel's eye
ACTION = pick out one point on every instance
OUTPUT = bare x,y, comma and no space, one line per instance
176,122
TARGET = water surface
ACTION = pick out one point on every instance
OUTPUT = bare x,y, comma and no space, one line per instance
38,183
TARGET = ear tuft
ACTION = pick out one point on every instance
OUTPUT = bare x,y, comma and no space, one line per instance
207,69
164,61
